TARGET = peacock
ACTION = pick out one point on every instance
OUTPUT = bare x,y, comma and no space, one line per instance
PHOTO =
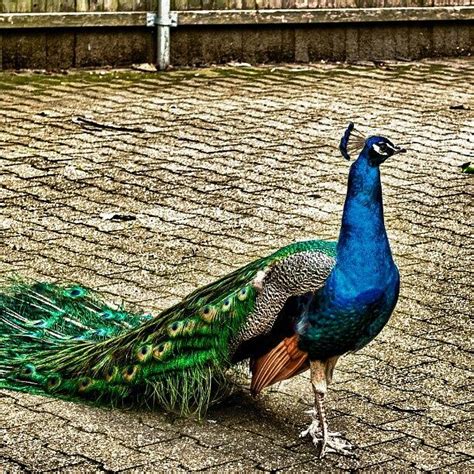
299,308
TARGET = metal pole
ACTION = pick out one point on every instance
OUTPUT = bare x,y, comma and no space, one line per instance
163,35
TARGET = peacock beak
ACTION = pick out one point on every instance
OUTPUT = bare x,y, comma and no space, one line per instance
398,150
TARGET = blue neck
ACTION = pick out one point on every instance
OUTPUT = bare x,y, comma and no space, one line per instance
363,251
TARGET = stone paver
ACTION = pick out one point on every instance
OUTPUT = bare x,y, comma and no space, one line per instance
218,167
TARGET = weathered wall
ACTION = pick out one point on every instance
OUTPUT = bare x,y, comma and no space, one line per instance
61,49
308,43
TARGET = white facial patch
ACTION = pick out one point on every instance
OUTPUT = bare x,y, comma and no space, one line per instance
379,150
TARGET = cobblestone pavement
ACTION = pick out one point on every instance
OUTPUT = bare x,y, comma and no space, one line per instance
218,167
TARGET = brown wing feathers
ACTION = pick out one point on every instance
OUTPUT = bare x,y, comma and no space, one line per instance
282,362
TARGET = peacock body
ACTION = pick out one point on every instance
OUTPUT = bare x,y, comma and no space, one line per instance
302,307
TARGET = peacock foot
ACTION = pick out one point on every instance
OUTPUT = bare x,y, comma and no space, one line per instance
327,441
314,429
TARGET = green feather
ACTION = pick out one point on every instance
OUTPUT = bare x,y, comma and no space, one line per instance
64,340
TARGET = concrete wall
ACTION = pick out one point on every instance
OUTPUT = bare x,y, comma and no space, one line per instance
198,46
62,49
349,42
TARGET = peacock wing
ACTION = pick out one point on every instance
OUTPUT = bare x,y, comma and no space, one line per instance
267,336
282,362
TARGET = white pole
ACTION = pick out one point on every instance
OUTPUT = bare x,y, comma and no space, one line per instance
163,35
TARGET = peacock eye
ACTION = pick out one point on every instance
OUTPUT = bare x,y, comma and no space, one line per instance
381,148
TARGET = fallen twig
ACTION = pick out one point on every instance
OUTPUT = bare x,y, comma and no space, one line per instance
83,121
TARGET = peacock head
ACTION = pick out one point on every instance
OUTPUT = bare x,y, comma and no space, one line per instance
379,149
375,149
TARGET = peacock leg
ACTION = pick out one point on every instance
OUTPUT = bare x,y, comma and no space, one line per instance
325,441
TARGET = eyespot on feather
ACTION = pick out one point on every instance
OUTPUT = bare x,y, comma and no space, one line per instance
28,370
110,374
227,304
130,373
84,384
175,328
143,353
208,313
243,293
108,314
75,291
53,382
160,351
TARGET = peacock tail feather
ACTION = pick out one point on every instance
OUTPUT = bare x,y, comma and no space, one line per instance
64,340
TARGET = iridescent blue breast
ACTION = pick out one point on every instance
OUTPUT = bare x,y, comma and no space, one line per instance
334,323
